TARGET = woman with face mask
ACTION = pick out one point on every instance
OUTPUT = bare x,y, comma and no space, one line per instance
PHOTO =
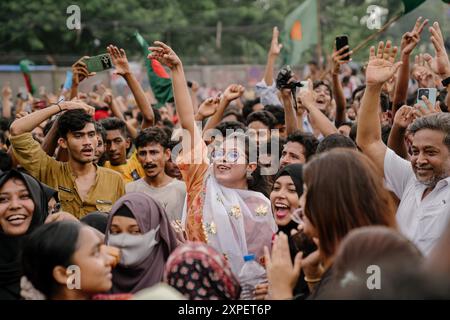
23,207
226,206
139,227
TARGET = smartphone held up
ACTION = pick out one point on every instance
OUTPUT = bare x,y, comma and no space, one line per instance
429,93
341,42
99,63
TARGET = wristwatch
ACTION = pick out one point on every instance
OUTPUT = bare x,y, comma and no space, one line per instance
446,82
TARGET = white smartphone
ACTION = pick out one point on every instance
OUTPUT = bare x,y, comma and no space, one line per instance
430,93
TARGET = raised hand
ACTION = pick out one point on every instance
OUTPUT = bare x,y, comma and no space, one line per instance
209,107
233,92
77,104
307,96
119,59
422,73
338,59
404,117
80,71
164,54
6,91
421,111
281,273
275,47
411,39
381,66
439,63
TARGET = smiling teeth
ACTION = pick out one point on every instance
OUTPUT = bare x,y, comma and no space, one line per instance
16,217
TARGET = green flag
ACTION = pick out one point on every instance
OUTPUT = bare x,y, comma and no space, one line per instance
157,76
410,5
300,31
25,68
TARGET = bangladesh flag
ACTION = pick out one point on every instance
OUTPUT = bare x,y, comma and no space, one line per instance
158,77
410,5
25,68
300,32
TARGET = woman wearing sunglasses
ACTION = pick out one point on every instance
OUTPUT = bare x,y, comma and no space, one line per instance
224,207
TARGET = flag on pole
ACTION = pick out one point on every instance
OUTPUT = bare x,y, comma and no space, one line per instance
158,77
300,31
410,5
25,68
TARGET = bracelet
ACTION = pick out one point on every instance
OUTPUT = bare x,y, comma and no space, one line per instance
57,103
312,280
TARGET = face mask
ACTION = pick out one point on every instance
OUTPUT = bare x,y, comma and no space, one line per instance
133,248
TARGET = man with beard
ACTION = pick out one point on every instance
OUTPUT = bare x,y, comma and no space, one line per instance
82,186
153,152
423,185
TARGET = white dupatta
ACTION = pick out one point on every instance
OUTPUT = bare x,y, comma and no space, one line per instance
236,222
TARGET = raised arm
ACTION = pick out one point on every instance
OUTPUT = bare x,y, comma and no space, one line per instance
32,120
120,61
79,73
338,93
409,42
321,122
232,92
380,69
290,116
274,52
402,119
439,64
165,55
6,101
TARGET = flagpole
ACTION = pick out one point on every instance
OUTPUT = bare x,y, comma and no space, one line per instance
374,35
319,37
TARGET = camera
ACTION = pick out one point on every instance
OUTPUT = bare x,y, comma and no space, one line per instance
283,78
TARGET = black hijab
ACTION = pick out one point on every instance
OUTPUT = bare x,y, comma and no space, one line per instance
295,171
11,246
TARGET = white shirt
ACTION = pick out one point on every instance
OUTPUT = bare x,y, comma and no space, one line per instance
423,221
170,197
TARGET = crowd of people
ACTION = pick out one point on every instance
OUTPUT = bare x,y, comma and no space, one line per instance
349,176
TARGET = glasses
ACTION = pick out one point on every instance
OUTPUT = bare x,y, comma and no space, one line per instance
230,156
298,216
56,208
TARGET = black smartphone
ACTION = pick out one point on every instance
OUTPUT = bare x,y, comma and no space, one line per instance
342,41
189,83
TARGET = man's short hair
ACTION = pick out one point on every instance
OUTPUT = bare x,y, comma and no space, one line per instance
152,135
115,124
335,140
231,126
307,140
264,117
248,106
438,121
73,120
100,131
277,112
319,83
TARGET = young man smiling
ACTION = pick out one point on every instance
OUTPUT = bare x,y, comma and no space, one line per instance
82,186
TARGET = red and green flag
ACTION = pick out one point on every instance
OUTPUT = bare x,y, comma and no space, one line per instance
25,68
158,77
300,31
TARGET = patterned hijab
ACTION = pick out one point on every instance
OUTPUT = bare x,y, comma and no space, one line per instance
199,272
